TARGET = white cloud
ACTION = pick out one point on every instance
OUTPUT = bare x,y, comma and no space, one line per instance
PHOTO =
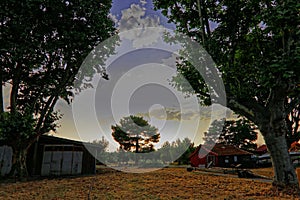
205,113
132,18
136,26
143,2
113,18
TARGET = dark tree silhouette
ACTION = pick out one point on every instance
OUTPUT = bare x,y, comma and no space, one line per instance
255,45
134,134
241,133
43,45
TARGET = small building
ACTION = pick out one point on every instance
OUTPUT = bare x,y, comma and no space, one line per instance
264,160
261,150
53,156
221,155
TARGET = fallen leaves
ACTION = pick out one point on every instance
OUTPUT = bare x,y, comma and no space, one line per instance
168,183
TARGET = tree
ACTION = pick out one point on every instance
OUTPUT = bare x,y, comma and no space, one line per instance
240,133
134,134
102,144
166,153
211,137
185,148
100,149
43,44
177,151
255,45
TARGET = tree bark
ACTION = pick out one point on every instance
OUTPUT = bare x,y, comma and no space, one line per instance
274,130
136,151
201,22
284,172
19,166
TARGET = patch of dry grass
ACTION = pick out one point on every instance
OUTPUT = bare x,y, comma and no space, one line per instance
264,172
168,183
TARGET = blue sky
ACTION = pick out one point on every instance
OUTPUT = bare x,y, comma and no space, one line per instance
161,104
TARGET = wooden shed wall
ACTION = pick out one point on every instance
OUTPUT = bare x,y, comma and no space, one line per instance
35,154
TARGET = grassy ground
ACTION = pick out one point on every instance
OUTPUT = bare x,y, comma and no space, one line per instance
168,183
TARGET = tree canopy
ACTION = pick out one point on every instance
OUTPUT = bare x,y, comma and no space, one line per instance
135,134
256,47
102,144
43,44
177,151
240,133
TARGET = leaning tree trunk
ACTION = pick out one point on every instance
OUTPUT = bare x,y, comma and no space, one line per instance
284,172
274,130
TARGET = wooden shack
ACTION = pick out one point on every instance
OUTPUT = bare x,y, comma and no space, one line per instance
54,156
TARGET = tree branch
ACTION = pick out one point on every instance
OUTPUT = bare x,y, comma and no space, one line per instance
239,108
201,22
47,110
249,109
43,114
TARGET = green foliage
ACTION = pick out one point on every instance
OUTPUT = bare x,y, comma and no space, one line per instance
241,133
100,148
187,147
43,44
102,144
177,151
256,46
212,135
135,134
14,126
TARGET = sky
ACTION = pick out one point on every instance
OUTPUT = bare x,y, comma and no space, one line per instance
139,84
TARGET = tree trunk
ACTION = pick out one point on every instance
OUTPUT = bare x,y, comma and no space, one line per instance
284,172
136,159
274,130
19,166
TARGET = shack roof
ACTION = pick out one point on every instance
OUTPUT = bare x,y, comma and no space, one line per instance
227,150
220,150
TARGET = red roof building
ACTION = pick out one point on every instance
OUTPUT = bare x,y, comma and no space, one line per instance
261,150
220,155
